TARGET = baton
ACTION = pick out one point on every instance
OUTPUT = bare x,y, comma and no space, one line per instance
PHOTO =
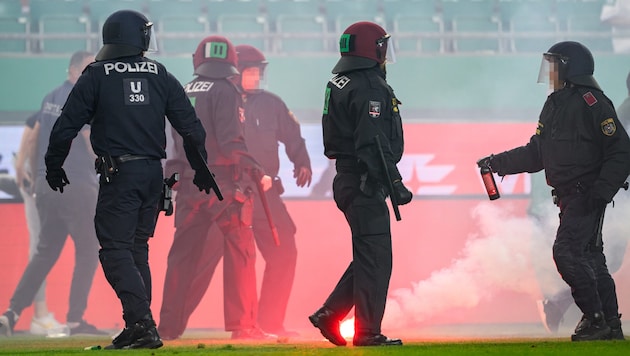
390,185
195,154
263,199
213,183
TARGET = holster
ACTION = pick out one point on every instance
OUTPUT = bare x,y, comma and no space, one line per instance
106,167
369,186
167,194
245,199
276,184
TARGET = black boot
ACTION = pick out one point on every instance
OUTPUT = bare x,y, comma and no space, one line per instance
616,333
142,335
328,324
591,327
375,340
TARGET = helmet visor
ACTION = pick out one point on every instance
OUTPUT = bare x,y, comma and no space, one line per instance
550,70
385,41
150,36
252,79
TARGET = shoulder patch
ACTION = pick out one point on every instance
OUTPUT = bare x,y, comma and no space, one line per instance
374,109
608,127
589,98
340,81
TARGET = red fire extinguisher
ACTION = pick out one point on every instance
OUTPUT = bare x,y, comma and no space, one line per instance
489,183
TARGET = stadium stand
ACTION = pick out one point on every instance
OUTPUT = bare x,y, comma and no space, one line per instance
475,25
16,25
64,26
305,27
180,24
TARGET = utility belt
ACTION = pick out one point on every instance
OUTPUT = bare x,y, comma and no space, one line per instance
349,165
232,173
128,157
567,190
368,185
107,166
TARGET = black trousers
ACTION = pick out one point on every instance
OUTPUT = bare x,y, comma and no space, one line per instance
365,282
207,230
125,219
280,261
580,259
70,213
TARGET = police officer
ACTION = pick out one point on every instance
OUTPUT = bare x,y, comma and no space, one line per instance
125,96
267,122
70,214
585,153
360,107
196,249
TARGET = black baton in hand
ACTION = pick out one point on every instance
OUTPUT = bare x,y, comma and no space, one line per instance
213,183
390,185
256,177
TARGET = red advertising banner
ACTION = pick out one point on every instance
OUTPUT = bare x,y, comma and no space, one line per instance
450,237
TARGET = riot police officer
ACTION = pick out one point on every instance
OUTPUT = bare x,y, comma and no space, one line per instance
585,153
125,97
196,249
361,118
268,121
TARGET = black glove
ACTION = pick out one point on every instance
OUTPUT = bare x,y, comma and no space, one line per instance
203,180
57,179
403,195
486,162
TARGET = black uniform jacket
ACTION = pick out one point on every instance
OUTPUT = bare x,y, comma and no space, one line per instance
578,140
125,101
267,122
360,105
219,105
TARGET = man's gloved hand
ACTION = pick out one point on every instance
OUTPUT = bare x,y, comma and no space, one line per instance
486,162
303,176
202,180
403,195
57,179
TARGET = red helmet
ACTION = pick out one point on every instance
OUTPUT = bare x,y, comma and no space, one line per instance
250,56
215,57
362,45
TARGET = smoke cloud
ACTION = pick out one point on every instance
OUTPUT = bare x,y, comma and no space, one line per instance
510,253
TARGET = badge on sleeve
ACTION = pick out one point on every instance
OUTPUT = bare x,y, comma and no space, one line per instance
375,109
395,103
608,127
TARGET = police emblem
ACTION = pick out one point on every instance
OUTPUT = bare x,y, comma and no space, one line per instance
375,109
395,104
608,127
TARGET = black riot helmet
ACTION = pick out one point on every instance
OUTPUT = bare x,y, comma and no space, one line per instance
575,63
126,33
